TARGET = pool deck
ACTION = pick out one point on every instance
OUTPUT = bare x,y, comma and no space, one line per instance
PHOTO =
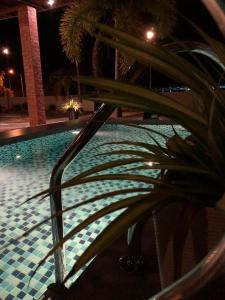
15,121
30,174
15,128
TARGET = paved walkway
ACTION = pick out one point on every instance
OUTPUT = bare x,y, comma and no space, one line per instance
14,121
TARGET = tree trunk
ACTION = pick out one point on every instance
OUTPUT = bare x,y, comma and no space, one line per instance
78,82
116,75
97,72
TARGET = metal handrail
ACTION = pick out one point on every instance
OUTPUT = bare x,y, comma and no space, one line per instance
194,280
71,152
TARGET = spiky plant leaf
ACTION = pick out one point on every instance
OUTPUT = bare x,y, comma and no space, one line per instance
125,15
193,168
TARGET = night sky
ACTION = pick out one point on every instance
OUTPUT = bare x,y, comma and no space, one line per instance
51,51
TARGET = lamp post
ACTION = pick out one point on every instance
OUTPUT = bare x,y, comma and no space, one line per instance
8,94
150,36
22,85
10,72
51,2
6,53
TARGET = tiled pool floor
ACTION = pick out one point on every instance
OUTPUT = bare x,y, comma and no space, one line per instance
25,170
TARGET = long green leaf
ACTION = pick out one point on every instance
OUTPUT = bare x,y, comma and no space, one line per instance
148,100
190,77
142,154
72,207
187,122
147,129
97,215
175,63
160,52
76,179
117,227
149,147
182,168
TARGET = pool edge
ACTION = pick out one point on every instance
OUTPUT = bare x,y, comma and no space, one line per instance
22,134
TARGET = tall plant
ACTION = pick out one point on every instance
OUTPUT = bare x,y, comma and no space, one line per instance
126,15
192,169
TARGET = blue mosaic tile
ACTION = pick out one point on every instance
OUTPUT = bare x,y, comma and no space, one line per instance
27,174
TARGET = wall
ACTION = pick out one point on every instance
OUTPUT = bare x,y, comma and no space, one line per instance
186,98
88,106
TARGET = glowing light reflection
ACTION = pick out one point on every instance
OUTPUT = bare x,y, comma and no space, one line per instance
75,131
51,2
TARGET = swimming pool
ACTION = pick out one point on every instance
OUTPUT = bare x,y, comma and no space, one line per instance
25,169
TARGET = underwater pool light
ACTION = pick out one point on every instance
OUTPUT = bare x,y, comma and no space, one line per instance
75,131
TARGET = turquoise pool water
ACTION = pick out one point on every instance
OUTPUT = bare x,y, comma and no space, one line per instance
25,169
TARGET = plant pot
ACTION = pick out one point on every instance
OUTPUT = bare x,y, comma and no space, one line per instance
73,114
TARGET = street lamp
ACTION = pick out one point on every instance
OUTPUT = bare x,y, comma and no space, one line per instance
22,85
150,35
51,2
11,71
5,51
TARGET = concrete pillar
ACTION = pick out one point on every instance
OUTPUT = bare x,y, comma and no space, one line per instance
32,64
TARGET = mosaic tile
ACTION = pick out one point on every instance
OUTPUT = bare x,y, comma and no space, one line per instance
25,170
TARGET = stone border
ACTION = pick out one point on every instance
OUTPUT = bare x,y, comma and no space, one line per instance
22,134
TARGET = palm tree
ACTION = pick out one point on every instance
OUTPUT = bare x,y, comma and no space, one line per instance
61,81
126,15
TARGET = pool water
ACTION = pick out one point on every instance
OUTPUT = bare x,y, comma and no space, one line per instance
25,169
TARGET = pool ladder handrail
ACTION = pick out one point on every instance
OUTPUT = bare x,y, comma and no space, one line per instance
98,119
71,152
209,267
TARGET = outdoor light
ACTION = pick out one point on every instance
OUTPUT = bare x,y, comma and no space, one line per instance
51,2
150,34
75,132
5,51
11,71
150,164
73,108
72,104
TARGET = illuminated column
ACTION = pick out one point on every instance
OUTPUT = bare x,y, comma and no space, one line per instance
32,65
